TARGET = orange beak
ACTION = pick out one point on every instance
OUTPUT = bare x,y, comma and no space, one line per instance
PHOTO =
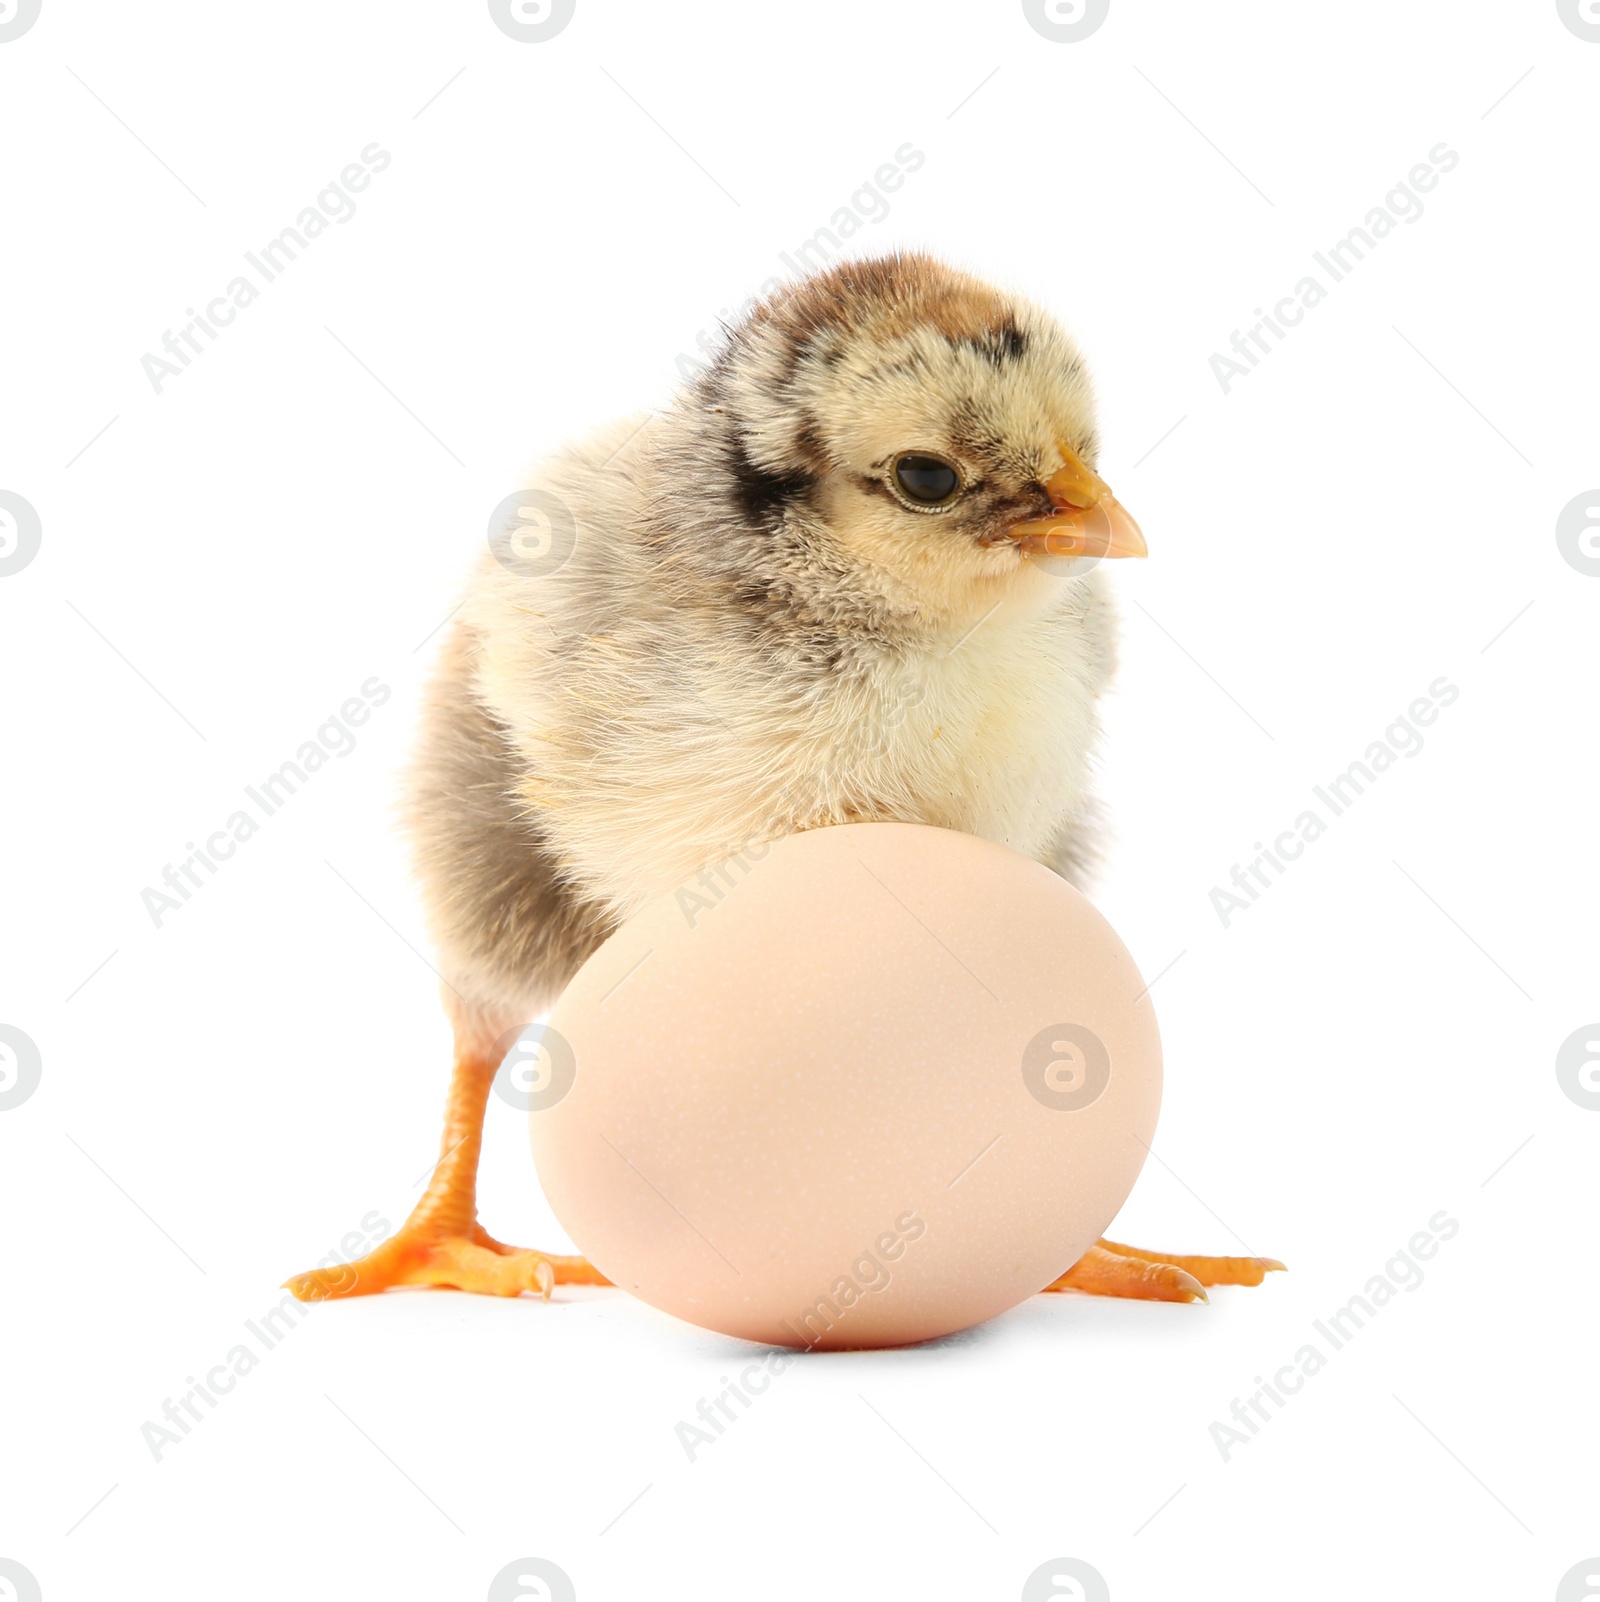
1088,519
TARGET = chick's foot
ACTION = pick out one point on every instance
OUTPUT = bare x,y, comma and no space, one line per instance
1110,1269
422,1253
442,1242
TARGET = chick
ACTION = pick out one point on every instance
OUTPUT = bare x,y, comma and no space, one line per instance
850,575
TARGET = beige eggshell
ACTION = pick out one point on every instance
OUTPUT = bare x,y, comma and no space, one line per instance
800,1107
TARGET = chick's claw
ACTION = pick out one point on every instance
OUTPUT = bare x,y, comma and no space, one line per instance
1103,1273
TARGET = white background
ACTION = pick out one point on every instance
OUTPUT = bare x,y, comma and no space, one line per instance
1374,1040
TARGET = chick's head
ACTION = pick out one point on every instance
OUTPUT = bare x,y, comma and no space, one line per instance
928,426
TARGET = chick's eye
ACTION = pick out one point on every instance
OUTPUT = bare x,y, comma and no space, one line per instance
926,479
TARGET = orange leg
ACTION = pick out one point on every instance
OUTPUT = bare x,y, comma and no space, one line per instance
442,1242
1112,1270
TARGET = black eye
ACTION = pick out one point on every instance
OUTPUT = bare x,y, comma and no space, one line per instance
926,479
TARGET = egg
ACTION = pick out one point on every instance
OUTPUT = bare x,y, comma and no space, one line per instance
859,1087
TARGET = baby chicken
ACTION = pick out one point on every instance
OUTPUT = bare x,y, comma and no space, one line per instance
850,575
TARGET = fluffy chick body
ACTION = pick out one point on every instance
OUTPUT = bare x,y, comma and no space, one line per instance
752,637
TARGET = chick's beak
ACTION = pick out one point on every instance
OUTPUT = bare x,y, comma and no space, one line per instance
1087,520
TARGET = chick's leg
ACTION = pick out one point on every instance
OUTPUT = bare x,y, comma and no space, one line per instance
442,1242
1112,1270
